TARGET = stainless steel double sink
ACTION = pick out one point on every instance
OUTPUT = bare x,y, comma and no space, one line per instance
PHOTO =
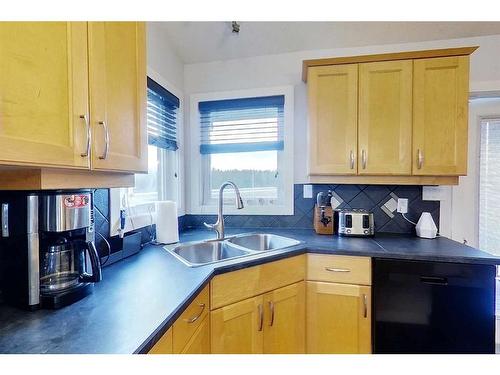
195,254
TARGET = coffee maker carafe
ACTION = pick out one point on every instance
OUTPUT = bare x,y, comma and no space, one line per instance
53,262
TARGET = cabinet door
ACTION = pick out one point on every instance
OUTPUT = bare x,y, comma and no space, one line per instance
199,343
440,115
43,93
338,318
118,95
385,118
164,344
238,328
333,115
284,331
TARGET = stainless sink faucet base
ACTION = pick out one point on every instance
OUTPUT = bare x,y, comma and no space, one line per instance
218,227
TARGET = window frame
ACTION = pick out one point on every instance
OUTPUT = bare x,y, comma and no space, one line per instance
138,215
285,157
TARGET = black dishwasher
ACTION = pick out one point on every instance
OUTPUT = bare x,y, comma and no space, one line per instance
433,307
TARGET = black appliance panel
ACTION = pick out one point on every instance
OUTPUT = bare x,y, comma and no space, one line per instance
433,307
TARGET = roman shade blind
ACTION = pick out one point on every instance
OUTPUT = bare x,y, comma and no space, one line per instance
162,116
242,125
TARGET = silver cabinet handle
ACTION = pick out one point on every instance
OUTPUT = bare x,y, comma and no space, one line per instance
420,159
351,158
363,158
5,219
337,269
365,306
271,308
196,317
89,136
106,140
261,317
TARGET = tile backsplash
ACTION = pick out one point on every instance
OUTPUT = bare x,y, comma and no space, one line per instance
370,197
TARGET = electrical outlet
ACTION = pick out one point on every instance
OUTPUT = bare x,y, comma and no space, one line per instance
308,191
402,205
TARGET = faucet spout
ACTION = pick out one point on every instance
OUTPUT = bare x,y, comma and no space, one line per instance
218,226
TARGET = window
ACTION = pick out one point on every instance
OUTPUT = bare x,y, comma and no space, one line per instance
247,140
161,181
489,180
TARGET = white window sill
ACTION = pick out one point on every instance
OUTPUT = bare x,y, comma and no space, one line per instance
247,210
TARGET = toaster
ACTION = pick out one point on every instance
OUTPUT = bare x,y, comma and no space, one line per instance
355,223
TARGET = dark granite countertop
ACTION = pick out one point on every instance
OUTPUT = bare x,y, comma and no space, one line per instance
140,297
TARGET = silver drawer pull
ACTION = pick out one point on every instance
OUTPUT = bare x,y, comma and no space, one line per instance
106,140
337,269
420,159
261,317
196,317
365,306
351,158
89,136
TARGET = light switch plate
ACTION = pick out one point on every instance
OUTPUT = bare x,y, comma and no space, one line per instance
308,191
402,205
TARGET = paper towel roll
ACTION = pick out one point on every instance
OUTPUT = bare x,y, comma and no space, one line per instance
167,226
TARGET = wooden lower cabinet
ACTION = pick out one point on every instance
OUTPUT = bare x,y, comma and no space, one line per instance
164,344
238,328
268,323
284,327
199,343
338,318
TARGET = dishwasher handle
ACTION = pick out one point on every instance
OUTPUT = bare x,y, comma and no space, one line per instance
434,280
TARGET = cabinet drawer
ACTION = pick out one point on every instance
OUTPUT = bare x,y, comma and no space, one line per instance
339,269
185,326
239,285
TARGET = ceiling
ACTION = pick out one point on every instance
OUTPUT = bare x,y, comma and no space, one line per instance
210,41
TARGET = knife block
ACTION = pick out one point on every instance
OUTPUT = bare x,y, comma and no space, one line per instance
319,227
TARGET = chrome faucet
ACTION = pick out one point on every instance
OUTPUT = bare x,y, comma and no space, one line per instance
218,227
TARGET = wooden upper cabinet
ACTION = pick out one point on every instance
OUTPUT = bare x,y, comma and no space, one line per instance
333,114
440,116
385,118
117,69
43,94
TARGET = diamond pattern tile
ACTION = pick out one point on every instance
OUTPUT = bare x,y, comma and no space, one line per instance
369,197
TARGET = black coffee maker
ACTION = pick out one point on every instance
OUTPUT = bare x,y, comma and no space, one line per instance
47,248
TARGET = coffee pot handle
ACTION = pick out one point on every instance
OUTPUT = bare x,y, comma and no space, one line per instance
96,265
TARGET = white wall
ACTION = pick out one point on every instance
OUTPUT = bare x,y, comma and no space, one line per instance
165,67
161,56
286,69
